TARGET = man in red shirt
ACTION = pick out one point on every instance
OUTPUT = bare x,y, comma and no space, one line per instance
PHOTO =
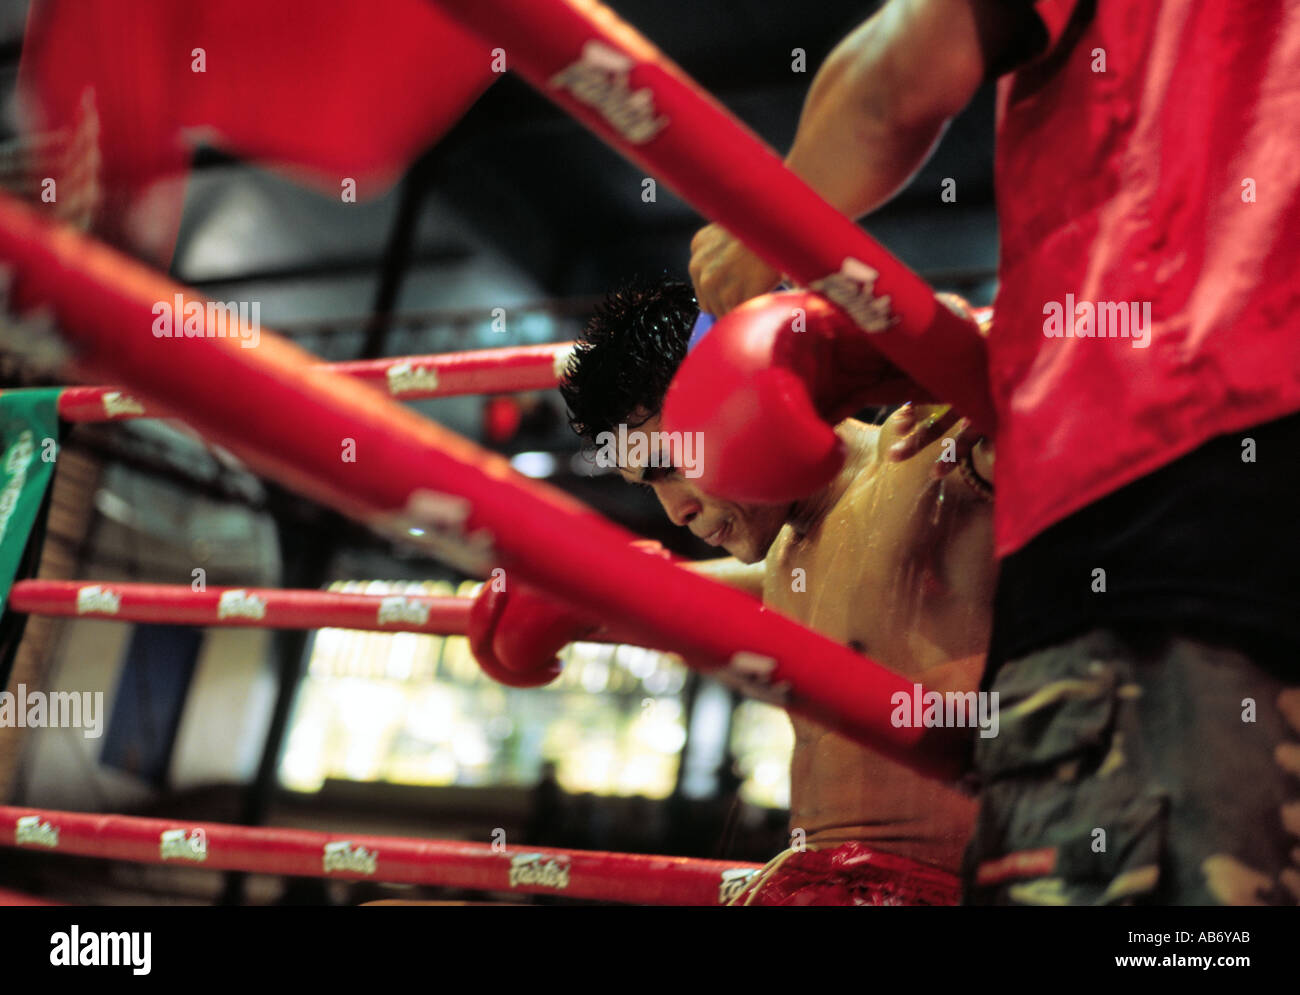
1146,375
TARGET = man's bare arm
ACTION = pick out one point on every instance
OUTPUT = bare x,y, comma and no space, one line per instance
874,111
747,577
882,98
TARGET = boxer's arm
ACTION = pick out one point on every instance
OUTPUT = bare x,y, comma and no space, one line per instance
962,674
884,95
747,577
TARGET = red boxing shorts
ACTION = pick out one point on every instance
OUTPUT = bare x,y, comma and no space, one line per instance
848,874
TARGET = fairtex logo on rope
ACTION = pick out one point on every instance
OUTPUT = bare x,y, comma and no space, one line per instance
440,523
400,610
32,830
599,79
117,405
734,883
240,604
98,601
754,675
347,856
534,869
854,289
181,844
410,378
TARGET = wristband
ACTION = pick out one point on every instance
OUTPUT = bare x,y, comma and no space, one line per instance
977,483
702,325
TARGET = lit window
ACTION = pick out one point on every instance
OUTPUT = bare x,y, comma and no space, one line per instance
406,708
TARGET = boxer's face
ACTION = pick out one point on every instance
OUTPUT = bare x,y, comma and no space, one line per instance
743,530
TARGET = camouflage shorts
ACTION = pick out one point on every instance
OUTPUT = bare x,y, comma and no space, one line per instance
1130,767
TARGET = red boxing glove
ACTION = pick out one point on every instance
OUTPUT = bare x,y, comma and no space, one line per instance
767,385
516,632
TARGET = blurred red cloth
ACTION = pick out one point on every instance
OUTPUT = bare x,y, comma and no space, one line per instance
329,89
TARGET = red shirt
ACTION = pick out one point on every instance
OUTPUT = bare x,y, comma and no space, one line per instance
1149,158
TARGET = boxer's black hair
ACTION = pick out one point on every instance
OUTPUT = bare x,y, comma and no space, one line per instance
627,355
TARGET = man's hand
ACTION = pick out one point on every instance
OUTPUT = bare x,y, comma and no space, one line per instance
919,426
725,273
918,430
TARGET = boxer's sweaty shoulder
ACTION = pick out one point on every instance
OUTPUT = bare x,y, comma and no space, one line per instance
900,565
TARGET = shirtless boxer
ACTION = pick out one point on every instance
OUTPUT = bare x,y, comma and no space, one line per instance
887,559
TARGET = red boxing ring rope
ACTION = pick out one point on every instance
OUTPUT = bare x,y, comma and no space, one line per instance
408,378
579,54
618,877
255,607
348,446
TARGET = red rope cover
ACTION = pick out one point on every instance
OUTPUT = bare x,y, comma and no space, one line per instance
592,874
256,607
408,378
